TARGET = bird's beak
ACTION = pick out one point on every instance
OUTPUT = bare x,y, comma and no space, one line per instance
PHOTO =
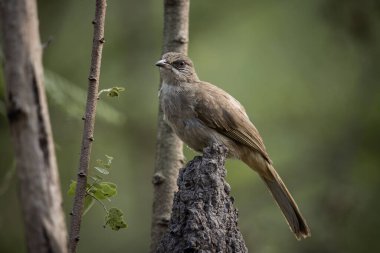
161,63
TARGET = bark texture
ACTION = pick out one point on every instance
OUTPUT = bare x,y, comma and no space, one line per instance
32,140
203,216
89,123
169,156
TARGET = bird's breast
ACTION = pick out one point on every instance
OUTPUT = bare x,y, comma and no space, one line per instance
177,102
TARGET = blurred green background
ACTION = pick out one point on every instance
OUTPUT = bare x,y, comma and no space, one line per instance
308,73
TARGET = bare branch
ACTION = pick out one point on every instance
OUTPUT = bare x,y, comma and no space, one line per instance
89,123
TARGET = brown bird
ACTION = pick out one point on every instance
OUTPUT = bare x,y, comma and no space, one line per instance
201,114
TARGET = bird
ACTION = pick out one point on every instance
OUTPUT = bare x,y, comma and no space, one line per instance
202,114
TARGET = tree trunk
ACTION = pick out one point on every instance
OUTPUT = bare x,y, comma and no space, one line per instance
32,140
203,217
169,156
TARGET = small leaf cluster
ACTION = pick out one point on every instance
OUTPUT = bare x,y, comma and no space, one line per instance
112,92
114,219
99,190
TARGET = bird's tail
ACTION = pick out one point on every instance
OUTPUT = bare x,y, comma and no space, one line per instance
287,204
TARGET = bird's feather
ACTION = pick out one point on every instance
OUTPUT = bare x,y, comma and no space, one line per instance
227,116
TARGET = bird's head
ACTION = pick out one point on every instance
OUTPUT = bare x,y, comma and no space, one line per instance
176,68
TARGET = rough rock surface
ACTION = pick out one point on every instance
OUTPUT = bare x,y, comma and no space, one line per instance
203,216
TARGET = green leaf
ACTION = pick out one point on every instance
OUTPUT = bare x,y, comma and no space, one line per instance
104,190
72,188
110,158
102,170
88,203
96,178
103,166
115,91
109,162
114,219
96,185
100,162
112,92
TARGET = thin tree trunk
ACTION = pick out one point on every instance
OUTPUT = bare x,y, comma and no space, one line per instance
204,218
169,156
32,140
89,123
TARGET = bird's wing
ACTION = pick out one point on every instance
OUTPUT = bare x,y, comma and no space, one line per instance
223,113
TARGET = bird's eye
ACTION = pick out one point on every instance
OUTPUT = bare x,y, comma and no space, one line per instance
179,64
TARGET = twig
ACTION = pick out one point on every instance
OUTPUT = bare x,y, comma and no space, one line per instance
92,185
89,123
100,202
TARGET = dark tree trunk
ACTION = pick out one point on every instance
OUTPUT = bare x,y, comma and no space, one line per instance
27,111
169,156
203,216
